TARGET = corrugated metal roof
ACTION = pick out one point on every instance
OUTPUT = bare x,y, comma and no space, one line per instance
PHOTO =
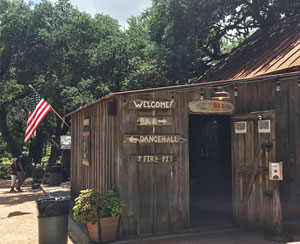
271,51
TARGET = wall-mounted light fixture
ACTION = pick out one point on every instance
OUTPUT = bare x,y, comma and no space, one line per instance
220,94
236,90
277,85
201,94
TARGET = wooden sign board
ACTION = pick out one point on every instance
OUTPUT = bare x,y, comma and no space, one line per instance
275,171
170,158
153,139
211,106
162,121
151,104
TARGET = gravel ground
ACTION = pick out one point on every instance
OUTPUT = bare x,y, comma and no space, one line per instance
18,214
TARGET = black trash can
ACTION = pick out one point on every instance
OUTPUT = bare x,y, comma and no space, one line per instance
53,220
55,175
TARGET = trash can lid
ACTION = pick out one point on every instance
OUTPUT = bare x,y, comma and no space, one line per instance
52,207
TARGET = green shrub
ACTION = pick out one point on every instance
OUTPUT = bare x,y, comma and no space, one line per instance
87,206
114,203
91,206
4,173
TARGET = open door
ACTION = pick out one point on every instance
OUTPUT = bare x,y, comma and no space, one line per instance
210,170
256,200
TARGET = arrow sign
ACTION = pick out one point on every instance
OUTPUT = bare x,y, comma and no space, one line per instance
150,121
133,139
153,139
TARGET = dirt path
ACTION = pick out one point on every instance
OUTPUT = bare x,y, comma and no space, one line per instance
18,214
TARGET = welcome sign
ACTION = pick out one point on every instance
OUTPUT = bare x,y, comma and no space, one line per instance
151,104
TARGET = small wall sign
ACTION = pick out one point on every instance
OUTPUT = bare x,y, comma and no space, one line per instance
211,106
65,142
264,126
275,171
154,158
153,139
151,104
162,121
240,127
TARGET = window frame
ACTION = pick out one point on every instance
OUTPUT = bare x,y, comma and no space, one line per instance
85,155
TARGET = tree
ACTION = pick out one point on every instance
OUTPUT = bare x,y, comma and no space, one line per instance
52,49
194,33
72,58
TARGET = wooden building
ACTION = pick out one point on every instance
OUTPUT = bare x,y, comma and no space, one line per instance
180,158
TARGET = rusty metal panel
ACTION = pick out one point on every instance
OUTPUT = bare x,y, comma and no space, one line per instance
268,51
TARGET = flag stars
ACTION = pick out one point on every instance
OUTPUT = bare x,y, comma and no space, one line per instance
34,101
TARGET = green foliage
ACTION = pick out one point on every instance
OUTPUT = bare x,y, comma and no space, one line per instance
4,172
87,206
91,206
46,155
114,205
194,34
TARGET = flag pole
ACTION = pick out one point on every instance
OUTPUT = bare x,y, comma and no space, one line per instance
59,117
52,109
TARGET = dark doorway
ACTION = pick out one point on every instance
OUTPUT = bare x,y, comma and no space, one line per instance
210,170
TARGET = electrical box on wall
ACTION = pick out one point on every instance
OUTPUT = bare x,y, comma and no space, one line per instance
275,171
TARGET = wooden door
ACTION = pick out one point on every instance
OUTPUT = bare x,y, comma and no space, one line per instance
256,200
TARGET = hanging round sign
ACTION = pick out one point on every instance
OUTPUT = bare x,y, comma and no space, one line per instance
211,106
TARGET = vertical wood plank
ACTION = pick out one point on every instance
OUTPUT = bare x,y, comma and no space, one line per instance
253,97
281,109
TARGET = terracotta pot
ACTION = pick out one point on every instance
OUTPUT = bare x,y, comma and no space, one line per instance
108,230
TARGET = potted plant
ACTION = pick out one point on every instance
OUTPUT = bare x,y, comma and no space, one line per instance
93,209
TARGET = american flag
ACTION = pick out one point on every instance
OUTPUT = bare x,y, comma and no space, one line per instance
37,111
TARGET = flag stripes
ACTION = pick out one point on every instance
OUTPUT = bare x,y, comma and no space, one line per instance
37,111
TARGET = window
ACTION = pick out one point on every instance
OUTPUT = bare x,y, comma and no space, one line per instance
86,142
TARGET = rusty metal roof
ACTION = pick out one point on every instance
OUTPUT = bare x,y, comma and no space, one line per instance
272,51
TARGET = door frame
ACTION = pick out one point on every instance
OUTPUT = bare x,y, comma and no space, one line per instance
229,162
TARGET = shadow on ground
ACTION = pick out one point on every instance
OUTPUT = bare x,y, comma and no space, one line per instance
17,213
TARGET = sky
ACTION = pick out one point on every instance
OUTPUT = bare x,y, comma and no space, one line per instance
117,9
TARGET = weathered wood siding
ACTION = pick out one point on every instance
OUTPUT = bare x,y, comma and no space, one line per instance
288,137
251,205
157,194
101,172
260,96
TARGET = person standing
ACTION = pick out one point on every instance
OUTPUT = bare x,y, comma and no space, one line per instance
13,175
20,170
